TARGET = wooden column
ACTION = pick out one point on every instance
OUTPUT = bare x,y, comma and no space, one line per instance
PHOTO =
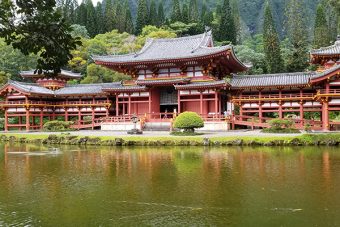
117,105
179,102
66,114
93,116
260,107
325,116
129,105
41,118
27,119
280,104
216,104
150,100
79,117
301,113
6,120
201,102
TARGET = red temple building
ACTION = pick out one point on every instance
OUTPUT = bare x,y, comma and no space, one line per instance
170,76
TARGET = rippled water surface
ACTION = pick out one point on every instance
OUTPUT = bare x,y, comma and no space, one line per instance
72,186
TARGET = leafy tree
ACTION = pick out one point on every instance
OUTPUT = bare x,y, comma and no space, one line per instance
176,14
99,74
271,43
227,29
153,32
321,33
4,77
161,15
79,31
182,29
297,34
53,45
142,16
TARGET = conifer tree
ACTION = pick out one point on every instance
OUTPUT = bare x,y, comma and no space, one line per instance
176,14
185,14
91,19
161,14
271,43
129,28
99,18
227,31
153,17
142,16
193,12
81,14
297,34
119,17
109,16
321,34
237,19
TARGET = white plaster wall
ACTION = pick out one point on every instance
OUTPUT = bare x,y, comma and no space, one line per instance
214,126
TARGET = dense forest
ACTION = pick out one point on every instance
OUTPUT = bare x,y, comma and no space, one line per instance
271,35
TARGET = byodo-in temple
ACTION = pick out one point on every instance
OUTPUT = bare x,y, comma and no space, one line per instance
171,76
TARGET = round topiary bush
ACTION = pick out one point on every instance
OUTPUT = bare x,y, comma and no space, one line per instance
188,121
57,126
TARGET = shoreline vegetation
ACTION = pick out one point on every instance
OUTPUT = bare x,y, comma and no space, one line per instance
322,139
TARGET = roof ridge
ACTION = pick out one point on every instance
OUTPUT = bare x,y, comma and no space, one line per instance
277,74
178,38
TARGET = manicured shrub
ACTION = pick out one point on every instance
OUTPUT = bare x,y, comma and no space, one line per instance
2,123
281,126
188,121
57,126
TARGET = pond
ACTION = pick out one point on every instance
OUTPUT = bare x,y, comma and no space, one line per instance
197,186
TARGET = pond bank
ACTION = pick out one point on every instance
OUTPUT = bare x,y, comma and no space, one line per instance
326,139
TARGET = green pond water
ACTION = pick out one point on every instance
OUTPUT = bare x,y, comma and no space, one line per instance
198,186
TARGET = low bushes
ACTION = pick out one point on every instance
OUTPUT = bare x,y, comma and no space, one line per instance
57,126
188,121
281,126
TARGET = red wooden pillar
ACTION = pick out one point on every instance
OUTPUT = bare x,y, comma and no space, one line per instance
66,114
280,104
6,120
150,100
179,101
93,116
201,102
27,119
216,104
301,112
260,107
325,116
41,118
117,105
79,117
129,105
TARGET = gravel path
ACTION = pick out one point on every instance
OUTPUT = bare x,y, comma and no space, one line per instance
237,133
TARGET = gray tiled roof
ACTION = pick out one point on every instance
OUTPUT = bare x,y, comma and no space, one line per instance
202,84
30,88
78,89
165,49
126,88
265,80
63,73
91,89
330,50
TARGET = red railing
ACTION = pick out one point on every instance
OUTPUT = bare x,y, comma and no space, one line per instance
329,91
274,96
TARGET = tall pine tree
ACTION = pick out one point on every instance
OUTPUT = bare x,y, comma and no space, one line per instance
176,14
271,43
153,17
99,18
237,19
227,31
161,14
321,33
193,12
142,16
91,19
109,16
81,14
129,27
185,13
119,17
297,33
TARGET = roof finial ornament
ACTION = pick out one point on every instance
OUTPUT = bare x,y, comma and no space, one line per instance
337,40
207,29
